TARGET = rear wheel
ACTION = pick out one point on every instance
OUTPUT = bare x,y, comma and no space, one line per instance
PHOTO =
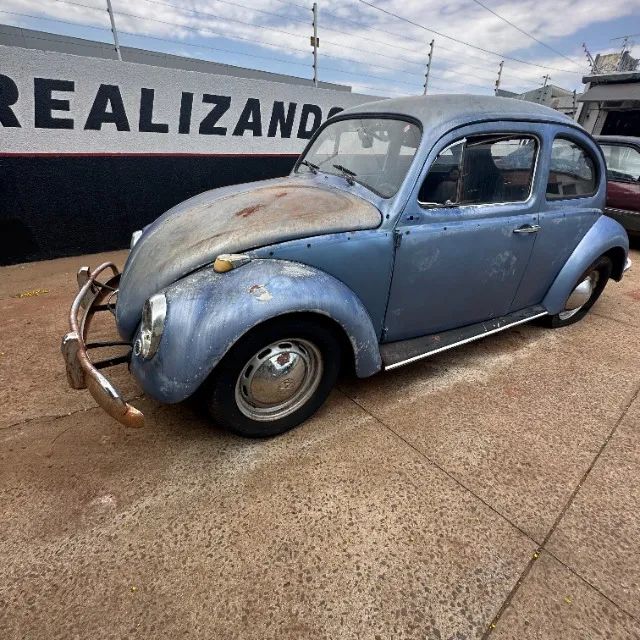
584,295
274,378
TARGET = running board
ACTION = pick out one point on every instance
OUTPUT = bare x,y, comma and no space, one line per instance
395,354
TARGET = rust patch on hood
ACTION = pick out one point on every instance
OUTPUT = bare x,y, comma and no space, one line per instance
247,211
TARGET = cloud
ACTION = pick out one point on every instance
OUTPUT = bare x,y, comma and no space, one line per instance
358,45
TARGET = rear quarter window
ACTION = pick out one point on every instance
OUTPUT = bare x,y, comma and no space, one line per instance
572,173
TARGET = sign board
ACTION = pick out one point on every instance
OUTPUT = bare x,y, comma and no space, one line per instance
61,103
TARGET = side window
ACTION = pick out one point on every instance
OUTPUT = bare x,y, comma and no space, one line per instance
572,173
482,170
623,163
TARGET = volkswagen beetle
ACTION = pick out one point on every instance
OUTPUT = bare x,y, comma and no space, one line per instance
407,227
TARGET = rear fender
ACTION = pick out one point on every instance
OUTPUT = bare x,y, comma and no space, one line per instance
207,312
605,236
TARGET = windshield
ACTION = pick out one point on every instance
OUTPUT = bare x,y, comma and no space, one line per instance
376,152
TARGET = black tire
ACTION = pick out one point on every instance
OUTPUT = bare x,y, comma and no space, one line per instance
220,390
603,266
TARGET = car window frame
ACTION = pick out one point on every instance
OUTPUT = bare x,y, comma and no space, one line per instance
430,206
596,167
618,144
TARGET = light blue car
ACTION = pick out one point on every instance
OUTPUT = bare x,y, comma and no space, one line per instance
407,227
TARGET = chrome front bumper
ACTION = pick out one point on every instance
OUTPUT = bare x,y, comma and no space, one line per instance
93,297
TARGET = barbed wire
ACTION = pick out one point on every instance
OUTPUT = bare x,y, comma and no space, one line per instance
249,24
227,35
292,18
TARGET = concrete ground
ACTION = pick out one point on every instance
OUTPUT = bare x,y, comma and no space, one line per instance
491,491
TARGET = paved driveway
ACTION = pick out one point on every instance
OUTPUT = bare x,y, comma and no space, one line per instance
488,491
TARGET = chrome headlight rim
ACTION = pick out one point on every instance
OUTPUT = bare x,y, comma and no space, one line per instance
154,313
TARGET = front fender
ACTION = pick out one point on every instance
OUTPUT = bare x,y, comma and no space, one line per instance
207,312
604,235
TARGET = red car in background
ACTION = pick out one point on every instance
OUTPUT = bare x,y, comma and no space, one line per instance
622,154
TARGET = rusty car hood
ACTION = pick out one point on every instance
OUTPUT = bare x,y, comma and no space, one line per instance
232,220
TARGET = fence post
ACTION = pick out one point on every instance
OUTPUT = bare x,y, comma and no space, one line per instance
543,91
426,74
114,31
315,43
499,77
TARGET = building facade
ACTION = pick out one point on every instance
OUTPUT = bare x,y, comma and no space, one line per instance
611,102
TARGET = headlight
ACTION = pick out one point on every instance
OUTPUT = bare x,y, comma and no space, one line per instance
153,315
135,236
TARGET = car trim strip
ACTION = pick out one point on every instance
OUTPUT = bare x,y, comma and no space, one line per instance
458,343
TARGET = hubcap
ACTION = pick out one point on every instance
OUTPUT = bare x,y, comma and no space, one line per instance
580,296
279,379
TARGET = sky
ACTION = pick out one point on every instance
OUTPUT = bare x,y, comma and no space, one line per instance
361,46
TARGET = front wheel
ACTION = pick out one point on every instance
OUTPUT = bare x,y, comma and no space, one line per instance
274,378
584,295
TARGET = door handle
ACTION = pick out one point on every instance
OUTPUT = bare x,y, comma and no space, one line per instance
528,228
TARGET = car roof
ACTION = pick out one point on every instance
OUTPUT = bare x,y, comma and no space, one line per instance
442,112
619,140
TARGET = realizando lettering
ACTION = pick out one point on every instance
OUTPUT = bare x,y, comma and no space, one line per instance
53,110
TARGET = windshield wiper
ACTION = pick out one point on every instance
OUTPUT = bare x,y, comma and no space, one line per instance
347,174
313,167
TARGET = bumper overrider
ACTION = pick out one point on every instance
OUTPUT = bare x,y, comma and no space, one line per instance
94,296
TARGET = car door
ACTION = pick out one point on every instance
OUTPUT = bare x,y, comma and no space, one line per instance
465,236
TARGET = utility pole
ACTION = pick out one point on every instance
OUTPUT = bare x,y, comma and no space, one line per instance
625,41
546,78
499,77
315,43
592,62
114,31
426,74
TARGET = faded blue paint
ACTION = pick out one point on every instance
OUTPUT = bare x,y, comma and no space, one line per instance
604,235
208,312
362,260
461,265
462,262
453,267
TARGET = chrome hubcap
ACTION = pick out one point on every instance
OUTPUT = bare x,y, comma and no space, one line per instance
279,379
580,296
